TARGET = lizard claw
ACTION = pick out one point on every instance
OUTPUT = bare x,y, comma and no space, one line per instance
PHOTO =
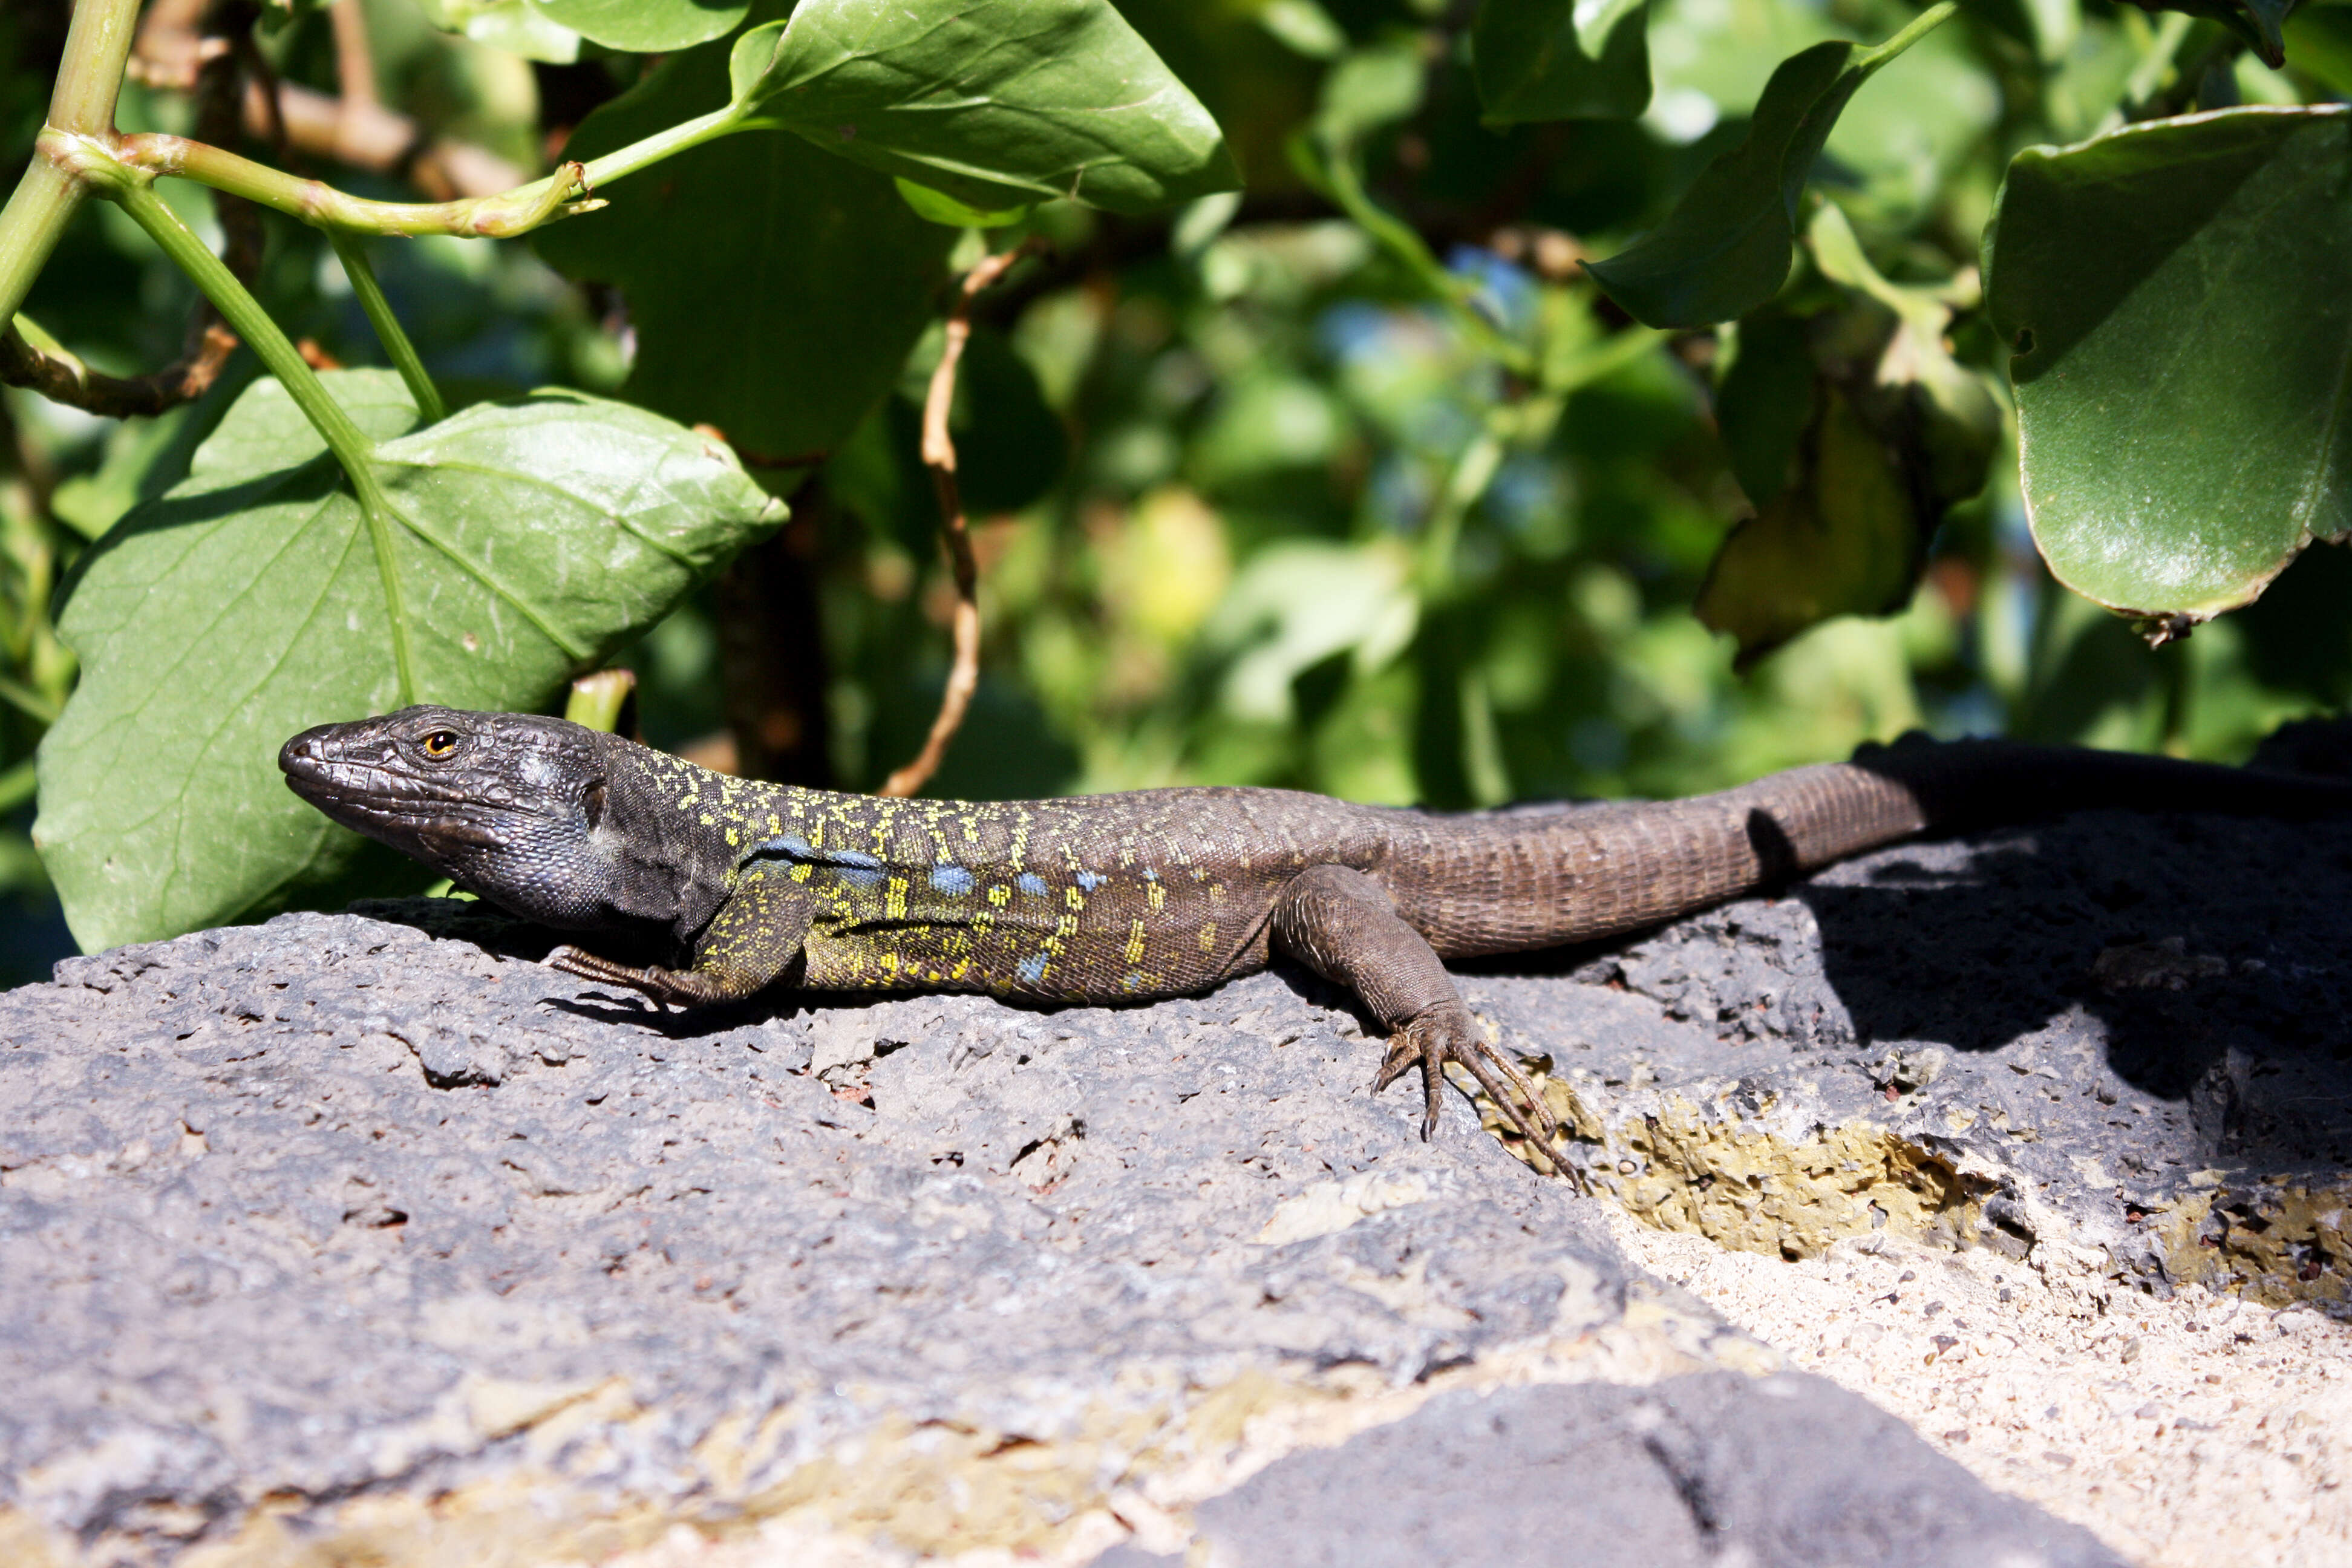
1452,1035
651,983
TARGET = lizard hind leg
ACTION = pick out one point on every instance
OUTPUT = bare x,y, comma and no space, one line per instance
1342,925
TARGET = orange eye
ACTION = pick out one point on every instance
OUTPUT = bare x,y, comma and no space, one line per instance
440,744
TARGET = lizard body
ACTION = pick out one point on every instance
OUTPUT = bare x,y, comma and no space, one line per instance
1148,893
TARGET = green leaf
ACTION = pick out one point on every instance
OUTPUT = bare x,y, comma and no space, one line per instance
518,26
2183,352
935,206
1305,27
2258,24
1765,401
1371,88
1725,248
647,26
995,102
1559,60
806,282
1943,416
522,543
550,30
1844,539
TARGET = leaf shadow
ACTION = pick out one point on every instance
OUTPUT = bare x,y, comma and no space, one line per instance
313,480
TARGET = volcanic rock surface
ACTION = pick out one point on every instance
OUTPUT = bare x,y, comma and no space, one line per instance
365,1237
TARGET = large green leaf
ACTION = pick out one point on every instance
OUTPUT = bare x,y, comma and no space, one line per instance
522,543
1724,249
997,102
2175,297
1559,60
774,291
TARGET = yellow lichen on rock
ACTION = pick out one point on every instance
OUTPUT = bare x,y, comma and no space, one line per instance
1746,1186
2279,1241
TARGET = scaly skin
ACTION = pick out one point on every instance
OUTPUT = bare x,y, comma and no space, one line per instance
1150,893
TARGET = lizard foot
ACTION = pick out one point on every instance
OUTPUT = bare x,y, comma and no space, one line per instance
1451,1035
686,988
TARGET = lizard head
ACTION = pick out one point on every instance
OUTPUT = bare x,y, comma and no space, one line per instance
506,805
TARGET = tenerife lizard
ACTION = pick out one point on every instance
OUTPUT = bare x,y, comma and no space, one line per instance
1149,893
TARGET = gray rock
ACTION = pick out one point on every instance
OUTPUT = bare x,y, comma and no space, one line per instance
1692,1472
363,1234
2115,1034
337,1210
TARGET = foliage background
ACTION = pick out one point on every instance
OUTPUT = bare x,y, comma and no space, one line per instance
1205,461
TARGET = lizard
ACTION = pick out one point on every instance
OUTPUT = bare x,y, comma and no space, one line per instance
1147,893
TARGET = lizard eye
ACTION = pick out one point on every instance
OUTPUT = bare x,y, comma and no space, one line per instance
441,744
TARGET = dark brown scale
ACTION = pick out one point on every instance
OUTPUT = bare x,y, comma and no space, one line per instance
1153,892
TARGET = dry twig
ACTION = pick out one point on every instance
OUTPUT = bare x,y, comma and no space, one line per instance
62,378
940,457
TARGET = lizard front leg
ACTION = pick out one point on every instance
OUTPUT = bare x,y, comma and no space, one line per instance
1342,925
756,934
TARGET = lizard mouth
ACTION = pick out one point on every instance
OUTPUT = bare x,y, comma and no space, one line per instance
378,801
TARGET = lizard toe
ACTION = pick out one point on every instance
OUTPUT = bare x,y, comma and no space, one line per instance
1453,1034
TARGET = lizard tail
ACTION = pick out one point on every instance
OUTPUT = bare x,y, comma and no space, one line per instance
1512,881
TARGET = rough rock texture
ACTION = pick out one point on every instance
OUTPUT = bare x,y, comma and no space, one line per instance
2119,1036
1687,1473
344,1239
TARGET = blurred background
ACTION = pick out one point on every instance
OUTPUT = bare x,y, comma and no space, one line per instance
1216,462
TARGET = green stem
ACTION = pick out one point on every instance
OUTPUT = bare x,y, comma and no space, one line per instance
89,78
1473,471
352,252
1344,184
251,322
1918,28
666,143
314,201
30,227
2148,75
89,72
501,216
17,785
246,317
27,701
597,701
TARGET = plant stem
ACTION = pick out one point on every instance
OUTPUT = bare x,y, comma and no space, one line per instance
1473,471
1918,28
30,227
501,216
1344,184
666,143
352,252
17,785
940,457
90,77
89,73
314,201
2148,75
243,312
597,701
251,322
